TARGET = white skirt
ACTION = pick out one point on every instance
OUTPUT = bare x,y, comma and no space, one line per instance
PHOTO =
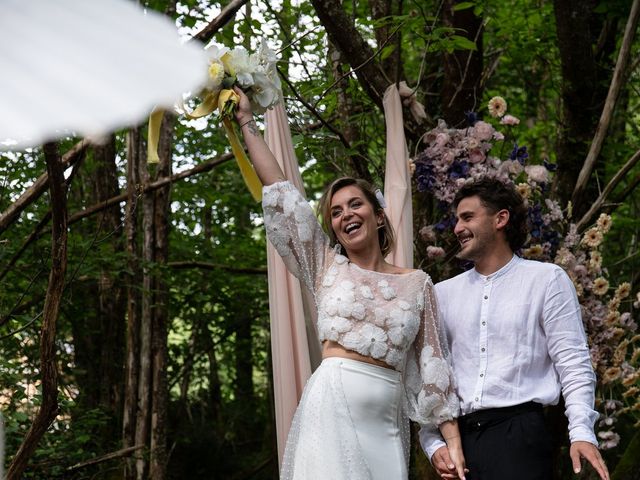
349,425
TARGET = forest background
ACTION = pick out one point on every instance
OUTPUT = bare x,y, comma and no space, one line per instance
134,325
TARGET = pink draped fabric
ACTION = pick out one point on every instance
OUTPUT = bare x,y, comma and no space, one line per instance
295,348
397,182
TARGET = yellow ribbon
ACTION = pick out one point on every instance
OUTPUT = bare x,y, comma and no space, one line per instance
225,101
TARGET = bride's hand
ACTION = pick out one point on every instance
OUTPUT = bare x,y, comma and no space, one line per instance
243,112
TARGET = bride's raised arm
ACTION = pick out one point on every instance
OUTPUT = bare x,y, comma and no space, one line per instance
264,162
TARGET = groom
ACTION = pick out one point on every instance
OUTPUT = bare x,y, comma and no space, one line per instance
517,341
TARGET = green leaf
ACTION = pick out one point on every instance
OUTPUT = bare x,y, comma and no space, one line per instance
463,6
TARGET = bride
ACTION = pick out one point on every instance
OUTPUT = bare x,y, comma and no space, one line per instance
384,355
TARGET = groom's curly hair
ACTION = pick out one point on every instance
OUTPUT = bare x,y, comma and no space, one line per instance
497,195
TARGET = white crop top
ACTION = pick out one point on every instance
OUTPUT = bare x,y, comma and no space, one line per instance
388,317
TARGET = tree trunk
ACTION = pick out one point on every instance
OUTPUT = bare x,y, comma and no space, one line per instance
129,417
98,334
49,407
158,461
461,90
584,82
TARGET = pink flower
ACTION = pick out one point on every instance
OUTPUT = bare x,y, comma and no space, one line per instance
509,120
435,252
483,131
428,233
476,156
537,173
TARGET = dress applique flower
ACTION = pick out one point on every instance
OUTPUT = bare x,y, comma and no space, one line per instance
434,370
366,292
369,341
270,197
427,402
358,311
330,328
277,229
380,316
340,300
341,259
289,203
388,293
394,357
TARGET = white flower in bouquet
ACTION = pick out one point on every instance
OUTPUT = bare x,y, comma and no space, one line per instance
242,66
255,73
264,91
216,66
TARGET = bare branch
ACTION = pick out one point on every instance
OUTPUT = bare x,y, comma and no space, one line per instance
123,452
31,194
220,21
216,266
608,189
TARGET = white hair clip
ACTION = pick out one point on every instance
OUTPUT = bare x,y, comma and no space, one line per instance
380,198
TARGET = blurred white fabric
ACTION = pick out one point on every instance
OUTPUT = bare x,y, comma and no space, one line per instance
87,67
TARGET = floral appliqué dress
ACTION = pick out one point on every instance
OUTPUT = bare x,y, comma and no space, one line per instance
388,317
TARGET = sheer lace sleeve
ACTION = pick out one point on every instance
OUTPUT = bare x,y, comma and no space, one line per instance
294,231
428,377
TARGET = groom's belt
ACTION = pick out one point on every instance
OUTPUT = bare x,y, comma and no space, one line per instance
481,419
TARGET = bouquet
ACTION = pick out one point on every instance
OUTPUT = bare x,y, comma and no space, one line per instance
255,74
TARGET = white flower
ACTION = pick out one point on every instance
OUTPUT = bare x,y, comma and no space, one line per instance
404,305
270,197
358,311
428,402
380,316
330,328
330,276
369,341
340,259
366,292
215,67
265,93
402,327
277,233
394,357
434,370
388,293
240,65
340,300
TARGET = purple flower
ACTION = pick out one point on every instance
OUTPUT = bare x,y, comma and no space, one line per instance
519,153
471,117
552,167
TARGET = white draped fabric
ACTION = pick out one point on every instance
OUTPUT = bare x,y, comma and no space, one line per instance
88,67
295,348
397,181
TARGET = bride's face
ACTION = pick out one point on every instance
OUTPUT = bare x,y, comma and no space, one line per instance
354,220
